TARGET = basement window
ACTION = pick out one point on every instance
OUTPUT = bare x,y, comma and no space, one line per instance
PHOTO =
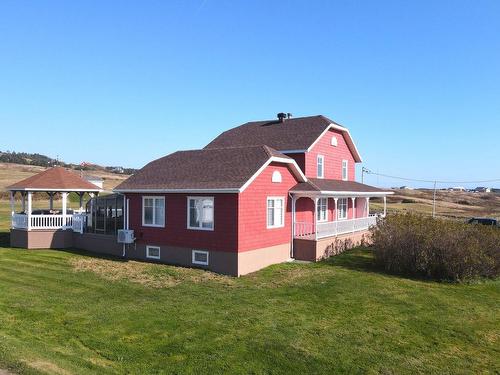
200,257
153,252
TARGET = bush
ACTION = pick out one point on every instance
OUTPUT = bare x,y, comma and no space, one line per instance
415,245
407,200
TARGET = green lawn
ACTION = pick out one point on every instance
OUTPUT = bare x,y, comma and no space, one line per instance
64,312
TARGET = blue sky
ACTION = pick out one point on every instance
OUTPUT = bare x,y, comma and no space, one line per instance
122,82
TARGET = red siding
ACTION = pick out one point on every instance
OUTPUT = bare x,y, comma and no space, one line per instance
333,157
175,233
252,217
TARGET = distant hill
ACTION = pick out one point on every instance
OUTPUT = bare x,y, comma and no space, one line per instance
40,160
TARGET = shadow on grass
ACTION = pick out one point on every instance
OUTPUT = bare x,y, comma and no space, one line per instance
357,259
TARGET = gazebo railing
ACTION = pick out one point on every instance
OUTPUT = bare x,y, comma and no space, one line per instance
20,221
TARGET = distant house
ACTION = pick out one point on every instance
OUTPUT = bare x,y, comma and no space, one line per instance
96,180
406,188
482,189
457,188
261,193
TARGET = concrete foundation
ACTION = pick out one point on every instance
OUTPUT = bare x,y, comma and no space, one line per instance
312,250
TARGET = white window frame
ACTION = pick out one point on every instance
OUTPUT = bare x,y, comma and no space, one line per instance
193,257
155,198
283,202
189,213
334,141
322,158
346,212
345,168
322,210
148,247
276,177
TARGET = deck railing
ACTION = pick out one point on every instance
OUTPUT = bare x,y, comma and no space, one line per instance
21,221
306,230
79,221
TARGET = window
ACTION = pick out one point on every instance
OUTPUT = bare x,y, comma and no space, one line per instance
334,141
201,213
153,211
200,257
345,174
342,208
153,252
275,212
276,176
321,166
322,213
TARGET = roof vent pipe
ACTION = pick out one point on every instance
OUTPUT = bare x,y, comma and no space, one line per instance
281,117
288,115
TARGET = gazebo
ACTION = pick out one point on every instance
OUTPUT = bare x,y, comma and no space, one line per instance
51,181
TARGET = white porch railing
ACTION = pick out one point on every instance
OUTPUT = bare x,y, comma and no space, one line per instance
20,221
333,228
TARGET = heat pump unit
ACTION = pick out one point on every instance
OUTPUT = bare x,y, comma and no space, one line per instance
125,236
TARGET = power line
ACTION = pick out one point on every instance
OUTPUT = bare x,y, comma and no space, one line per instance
365,170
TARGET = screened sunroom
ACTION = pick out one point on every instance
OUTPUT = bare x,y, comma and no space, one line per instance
105,214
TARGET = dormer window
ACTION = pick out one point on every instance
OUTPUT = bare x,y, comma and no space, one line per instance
345,173
334,141
321,166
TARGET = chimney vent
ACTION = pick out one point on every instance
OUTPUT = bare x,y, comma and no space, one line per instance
288,115
281,117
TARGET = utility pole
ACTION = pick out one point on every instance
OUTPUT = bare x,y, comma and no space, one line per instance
434,201
363,171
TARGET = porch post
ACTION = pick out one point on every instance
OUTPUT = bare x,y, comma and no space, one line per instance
64,208
315,218
293,224
30,194
51,200
336,215
81,200
353,207
23,196
367,206
385,205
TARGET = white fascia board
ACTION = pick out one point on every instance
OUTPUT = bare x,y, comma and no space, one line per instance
194,191
55,190
296,170
350,142
344,193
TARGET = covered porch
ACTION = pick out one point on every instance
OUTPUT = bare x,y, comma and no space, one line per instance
323,210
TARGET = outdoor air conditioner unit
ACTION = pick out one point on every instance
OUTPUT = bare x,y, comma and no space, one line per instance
126,236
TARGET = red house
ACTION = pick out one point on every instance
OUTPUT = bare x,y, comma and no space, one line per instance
262,193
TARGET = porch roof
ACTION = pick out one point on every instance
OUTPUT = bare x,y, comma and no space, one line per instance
337,187
55,179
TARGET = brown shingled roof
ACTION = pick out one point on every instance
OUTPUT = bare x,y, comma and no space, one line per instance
54,179
297,133
224,168
319,184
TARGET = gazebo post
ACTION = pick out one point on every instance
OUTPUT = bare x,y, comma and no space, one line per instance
64,208
81,194
51,200
23,200
12,207
30,194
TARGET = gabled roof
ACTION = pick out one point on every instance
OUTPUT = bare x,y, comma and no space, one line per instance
217,169
294,134
324,186
54,179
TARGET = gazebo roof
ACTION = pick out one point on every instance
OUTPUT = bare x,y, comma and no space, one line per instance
54,179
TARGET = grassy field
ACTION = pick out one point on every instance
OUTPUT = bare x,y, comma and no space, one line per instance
66,312
449,204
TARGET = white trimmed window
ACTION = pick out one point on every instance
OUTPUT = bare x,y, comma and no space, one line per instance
200,213
276,176
334,141
153,211
342,208
321,166
275,212
345,173
322,209
200,257
153,252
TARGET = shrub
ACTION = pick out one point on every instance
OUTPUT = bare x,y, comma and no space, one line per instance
415,245
407,200
464,202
